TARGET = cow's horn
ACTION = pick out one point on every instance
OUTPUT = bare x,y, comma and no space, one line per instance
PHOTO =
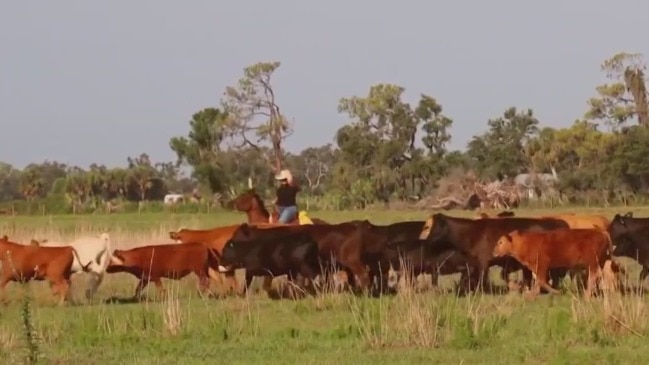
249,182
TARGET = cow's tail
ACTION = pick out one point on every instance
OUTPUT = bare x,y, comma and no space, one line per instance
101,260
84,268
213,263
103,256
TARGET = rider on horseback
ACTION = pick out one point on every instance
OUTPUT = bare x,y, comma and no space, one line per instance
286,194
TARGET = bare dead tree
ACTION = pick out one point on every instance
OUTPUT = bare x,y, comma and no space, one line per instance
315,174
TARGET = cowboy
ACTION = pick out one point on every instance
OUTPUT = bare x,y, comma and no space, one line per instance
286,194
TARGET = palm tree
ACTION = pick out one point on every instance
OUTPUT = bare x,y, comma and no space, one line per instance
31,184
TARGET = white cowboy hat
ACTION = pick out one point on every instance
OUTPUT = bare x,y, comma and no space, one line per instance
284,175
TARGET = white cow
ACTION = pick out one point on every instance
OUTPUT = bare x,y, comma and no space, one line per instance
94,252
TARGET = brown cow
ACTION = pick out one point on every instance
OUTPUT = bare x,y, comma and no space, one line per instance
503,214
214,238
559,248
476,239
172,261
582,220
344,242
22,263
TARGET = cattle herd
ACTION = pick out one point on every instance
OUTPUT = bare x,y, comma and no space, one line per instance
545,249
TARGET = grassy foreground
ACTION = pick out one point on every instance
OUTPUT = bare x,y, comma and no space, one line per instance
183,328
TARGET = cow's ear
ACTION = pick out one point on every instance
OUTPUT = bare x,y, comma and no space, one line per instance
4,238
118,254
33,242
245,228
508,237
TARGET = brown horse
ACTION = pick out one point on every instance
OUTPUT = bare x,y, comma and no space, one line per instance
251,204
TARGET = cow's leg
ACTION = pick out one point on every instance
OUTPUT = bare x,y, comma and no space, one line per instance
608,276
3,283
308,274
643,274
63,288
140,286
161,290
361,276
434,278
340,279
267,285
483,278
248,282
203,282
231,282
465,278
352,281
542,282
580,276
380,271
94,280
594,273
507,269
556,275
528,277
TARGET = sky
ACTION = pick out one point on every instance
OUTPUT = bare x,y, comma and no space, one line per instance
89,81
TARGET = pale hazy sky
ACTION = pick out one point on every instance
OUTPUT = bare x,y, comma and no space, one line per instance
90,81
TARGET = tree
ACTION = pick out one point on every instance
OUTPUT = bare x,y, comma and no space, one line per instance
500,151
580,151
435,125
630,156
626,96
116,183
380,137
31,184
316,163
9,182
380,140
256,116
141,173
77,187
201,149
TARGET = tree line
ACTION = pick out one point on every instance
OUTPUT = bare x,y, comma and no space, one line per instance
389,152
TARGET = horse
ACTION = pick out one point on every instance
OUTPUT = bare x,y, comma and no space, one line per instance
251,204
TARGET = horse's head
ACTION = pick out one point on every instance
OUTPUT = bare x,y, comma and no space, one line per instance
246,201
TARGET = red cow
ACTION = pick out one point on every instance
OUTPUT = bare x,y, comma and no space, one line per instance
560,248
21,263
172,261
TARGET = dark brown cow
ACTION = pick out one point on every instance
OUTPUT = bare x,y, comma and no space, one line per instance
214,238
631,238
503,214
23,263
294,255
477,238
420,257
172,261
343,242
559,248
376,239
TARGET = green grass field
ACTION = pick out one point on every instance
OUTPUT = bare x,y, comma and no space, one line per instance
333,328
